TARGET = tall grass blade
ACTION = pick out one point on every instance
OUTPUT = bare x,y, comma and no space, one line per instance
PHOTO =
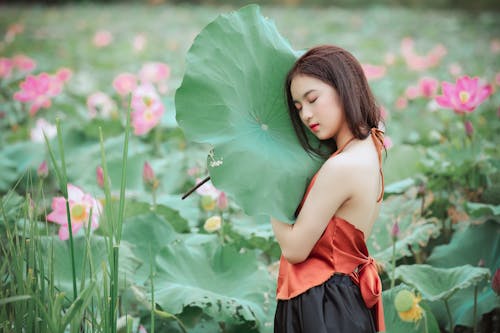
63,184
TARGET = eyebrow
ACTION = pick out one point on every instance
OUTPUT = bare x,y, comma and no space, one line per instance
305,95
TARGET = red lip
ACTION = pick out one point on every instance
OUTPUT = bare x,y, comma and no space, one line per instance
314,127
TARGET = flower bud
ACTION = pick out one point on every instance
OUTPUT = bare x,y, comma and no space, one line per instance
222,201
395,231
43,170
100,176
403,300
148,176
495,282
469,129
213,224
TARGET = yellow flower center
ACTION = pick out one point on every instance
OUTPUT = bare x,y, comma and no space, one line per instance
148,101
78,213
148,115
464,96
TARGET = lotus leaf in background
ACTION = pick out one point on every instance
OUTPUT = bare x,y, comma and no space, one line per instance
394,324
442,284
415,231
227,285
232,98
482,210
469,246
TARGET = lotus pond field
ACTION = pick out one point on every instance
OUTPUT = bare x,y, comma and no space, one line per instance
94,235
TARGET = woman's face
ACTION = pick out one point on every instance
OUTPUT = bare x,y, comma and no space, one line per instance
319,106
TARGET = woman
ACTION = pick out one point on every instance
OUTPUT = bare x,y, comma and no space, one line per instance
327,282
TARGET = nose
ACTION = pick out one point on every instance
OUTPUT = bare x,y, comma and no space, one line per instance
306,113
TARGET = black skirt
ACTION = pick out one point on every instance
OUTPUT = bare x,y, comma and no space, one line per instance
334,306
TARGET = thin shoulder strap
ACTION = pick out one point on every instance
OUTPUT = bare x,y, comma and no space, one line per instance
378,139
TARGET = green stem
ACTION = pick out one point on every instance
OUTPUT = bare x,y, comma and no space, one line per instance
393,273
153,193
151,270
474,316
157,140
426,330
448,311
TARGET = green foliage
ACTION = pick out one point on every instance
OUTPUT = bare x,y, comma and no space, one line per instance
236,104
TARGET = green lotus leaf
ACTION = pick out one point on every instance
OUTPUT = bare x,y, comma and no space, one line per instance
461,250
232,98
16,159
394,324
440,283
415,231
228,285
135,208
478,209
399,186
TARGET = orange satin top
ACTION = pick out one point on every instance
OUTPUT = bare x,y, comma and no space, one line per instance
341,249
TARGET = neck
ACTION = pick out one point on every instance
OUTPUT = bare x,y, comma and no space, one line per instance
343,137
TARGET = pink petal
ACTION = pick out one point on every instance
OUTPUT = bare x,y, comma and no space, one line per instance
63,233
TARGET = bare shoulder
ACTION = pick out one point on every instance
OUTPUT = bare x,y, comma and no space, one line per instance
337,172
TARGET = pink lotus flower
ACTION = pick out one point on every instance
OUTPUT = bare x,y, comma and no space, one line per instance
373,72
207,189
463,96
417,62
401,103
80,206
102,38
24,63
38,91
389,58
12,31
64,74
387,142
139,42
125,83
211,195
6,66
154,72
427,87
101,104
383,113
147,109
495,45
42,126
455,69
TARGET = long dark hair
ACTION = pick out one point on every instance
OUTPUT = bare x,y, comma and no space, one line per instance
341,70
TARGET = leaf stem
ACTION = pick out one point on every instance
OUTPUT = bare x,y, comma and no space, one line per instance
450,318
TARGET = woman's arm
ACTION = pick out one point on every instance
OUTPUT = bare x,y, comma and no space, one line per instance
333,186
